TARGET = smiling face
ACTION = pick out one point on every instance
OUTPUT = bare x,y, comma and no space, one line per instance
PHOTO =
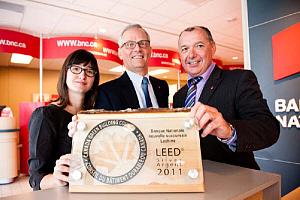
79,83
136,59
196,51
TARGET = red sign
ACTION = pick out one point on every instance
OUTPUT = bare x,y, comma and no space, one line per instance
25,110
165,58
16,42
286,48
61,47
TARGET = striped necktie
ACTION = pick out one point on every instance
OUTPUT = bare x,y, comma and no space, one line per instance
191,94
145,83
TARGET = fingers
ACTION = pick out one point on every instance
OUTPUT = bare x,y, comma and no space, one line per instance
204,114
209,120
66,157
62,168
74,118
195,108
212,125
72,126
197,111
58,173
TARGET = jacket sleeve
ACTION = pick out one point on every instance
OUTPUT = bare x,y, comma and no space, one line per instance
256,128
41,145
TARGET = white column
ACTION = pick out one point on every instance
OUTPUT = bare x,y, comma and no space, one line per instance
247,61
41,67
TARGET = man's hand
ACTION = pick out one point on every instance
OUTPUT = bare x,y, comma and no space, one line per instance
211,121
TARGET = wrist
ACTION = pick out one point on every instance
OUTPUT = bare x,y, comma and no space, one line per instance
231,134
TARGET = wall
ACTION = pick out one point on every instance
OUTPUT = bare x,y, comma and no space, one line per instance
265,19
18,84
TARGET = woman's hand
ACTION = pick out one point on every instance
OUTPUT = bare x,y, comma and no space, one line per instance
62,168
60,176
72,126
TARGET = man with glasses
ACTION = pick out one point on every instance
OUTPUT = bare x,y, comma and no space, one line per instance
135,88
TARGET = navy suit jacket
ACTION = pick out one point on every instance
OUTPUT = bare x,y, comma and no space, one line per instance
236,94
119,94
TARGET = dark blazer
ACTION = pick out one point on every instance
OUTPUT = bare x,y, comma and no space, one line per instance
236,94
120,94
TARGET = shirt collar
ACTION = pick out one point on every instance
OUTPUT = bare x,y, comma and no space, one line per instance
136,78
207,73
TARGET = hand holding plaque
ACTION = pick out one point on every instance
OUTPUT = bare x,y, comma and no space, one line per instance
156,150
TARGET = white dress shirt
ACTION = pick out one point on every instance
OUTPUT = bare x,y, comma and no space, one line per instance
136,80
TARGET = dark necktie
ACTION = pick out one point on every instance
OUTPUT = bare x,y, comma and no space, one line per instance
145,82
191,94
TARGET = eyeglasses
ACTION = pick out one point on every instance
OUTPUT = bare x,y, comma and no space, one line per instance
132,44
77,69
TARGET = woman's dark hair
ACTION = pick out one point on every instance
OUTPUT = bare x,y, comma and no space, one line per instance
84,57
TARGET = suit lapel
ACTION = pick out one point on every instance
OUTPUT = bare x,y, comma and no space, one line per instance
181,100
157,90
128,92
211,85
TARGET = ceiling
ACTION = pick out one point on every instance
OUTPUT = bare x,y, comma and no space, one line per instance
163,19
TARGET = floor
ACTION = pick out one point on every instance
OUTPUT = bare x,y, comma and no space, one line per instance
19,186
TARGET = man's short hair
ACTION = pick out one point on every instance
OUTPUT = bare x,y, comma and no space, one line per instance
131,26
206,30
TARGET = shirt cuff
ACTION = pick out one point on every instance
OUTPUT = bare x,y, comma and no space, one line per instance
231,142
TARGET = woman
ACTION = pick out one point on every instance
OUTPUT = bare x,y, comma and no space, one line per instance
49,142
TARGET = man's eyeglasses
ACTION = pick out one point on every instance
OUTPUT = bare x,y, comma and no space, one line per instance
132,44
77,69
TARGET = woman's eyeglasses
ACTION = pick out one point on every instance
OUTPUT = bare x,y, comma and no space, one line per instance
77,69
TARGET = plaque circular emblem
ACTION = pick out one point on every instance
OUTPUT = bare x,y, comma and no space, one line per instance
114,151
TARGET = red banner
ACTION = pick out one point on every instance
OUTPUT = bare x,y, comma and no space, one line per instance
164,58
16,42
61,47
286,48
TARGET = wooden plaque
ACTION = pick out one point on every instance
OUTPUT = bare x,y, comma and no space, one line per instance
156,150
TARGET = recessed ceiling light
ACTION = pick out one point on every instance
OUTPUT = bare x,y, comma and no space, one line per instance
158,71
20,58
235,58
102,30
231,19
119,68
